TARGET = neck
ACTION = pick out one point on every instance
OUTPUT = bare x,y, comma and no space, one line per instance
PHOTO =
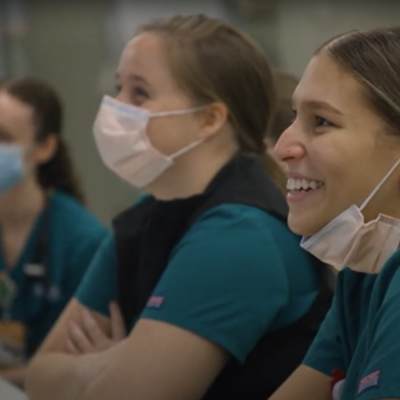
20,206
192,172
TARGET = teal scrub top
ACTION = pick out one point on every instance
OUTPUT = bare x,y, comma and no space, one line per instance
73,236
236,273
360,334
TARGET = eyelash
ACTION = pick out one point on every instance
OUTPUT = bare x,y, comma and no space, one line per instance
137,93
322,122
140,92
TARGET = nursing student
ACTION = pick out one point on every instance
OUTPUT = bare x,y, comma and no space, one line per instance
216,295
343,154
47,237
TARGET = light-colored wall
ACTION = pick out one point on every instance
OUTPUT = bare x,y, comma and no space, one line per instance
302,26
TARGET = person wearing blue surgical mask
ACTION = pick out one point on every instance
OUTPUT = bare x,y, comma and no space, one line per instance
215,298
343,157
47,237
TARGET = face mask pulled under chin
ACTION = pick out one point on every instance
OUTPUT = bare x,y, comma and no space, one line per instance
123,144
347,241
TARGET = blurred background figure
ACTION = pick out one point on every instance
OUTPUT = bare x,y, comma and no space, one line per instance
47,237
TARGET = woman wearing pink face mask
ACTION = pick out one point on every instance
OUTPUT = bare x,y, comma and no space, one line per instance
217,296
343,156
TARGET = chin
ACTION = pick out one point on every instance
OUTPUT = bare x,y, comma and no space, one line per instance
301,227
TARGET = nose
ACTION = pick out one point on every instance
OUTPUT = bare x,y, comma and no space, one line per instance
289,146
122,96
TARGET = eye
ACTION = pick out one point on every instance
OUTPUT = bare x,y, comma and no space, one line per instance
322,122
139,94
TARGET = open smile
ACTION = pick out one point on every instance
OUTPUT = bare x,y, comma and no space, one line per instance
300,188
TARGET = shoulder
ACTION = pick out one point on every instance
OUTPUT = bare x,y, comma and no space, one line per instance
387,288
74,216
240,228
73,227
232,239
237,218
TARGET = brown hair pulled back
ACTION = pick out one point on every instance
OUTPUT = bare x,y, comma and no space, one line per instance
212,61
57,173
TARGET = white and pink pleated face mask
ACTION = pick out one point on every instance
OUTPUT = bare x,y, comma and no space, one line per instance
123,144
348,241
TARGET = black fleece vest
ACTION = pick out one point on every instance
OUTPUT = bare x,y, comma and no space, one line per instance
145,237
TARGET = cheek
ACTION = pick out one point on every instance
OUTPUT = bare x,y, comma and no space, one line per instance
30,159
170,134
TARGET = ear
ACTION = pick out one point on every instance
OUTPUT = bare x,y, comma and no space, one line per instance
45,149
213,119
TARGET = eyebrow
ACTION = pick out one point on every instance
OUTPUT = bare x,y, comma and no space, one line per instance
132,77
322,105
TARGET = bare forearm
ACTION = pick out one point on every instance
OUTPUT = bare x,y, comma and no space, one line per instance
55,375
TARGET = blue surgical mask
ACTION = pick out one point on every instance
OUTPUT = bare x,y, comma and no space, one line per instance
11,166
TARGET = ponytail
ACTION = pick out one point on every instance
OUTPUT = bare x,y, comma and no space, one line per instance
58,173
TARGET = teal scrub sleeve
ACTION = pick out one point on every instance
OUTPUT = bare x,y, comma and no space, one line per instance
326,352
225,280
81,249
99,285
379,373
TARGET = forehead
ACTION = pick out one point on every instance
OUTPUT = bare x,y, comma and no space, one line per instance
16,118
145,55
325,81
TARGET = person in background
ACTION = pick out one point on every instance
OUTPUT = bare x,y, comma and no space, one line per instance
215,293
47,237
343,154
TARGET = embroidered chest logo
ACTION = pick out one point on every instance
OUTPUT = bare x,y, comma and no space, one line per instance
369,381
155,301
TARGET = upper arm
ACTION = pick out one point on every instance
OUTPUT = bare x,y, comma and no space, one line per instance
326,353
79,244
99,285
158,361
305,383
225,282
312,379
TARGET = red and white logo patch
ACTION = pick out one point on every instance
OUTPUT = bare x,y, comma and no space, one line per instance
369,381
155,301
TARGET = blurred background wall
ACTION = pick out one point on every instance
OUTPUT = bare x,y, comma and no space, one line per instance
75,46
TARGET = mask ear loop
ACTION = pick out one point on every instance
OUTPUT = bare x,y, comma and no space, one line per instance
384,179
181,112
177,112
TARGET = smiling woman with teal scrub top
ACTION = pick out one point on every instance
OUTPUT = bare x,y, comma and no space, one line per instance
343,156
47,238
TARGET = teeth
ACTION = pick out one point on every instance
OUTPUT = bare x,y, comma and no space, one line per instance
302,184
